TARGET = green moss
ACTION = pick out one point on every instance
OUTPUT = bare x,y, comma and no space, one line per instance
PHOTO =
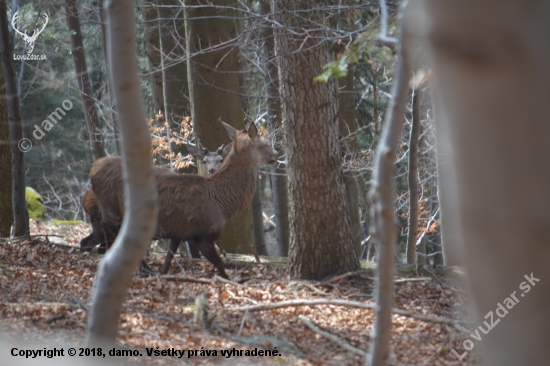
34,203
65,222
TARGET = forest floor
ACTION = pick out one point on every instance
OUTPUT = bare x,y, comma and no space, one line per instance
45,296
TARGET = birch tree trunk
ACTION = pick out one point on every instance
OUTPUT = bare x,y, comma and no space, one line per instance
117,267
321,243
490,67
212,70
19,203
83,78
279,181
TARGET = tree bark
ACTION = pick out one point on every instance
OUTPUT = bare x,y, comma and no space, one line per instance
348,137
6,207
112,100
81,70
117,267
279,178
174,70
413,179
490,68
19,203
257,209
321,243
212,71
383,210
152,37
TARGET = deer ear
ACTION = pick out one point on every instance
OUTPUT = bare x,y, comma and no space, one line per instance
220,150
231,131
194,151
227,150
252,131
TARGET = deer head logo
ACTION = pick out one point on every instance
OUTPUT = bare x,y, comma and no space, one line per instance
28,36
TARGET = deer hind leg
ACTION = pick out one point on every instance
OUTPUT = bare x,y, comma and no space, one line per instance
172,248
194,250
209,251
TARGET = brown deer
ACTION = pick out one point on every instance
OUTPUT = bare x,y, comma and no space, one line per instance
211,161
191,207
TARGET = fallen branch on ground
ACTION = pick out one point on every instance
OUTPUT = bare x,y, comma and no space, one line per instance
338,302
332,337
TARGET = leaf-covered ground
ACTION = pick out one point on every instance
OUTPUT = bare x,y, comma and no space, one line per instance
45,294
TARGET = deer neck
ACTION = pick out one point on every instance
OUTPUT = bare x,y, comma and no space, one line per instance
234,184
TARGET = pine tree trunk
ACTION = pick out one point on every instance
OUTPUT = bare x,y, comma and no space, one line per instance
81,70
6,208
117,268
321,242
279,179
19,203
213,77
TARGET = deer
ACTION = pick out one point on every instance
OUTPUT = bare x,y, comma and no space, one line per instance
191,207
211,161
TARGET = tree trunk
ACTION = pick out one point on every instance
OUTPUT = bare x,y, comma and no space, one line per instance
112,101
174,70
6,207
413,179
348,130
19,203
81,70
257,209
383,209
321,242
446,192
213,77
117,267
152,38
491,71
279,178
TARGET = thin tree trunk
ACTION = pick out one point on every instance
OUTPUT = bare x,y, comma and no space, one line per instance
258,220
152,38
490,69
112,100
6,207
19,203
117,267
174,70
81,70
413,179
279,178
348,129
213,77
257,210
383,210
321,243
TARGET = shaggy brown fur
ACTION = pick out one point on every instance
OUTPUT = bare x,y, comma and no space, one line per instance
191,207
211,162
